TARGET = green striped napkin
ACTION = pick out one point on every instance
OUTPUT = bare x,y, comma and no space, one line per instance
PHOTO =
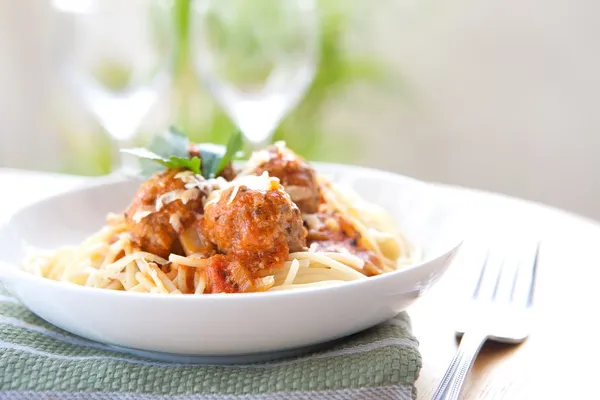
40,361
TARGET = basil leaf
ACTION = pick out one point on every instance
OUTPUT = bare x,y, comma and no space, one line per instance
192,164
172,143
144,153
234,145
171,150
210,161
216,157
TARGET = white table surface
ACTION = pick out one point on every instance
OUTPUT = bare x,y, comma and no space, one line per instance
558,360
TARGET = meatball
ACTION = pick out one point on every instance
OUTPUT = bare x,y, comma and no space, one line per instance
294,173
259,226
161,209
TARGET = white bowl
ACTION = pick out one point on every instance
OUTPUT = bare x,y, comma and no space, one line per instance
232,325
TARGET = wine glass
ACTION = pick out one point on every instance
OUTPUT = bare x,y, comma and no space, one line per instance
118,55
257,58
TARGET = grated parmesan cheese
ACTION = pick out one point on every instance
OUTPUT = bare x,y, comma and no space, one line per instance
175,222
140,215
233,194
260,183
185,176
184,195
312,221
263,156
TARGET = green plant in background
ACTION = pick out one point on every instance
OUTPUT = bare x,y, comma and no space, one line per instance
194,111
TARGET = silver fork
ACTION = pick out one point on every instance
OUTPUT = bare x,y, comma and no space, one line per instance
498,311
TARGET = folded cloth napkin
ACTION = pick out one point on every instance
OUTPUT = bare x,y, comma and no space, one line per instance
40,361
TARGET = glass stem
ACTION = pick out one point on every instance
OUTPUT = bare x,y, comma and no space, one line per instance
122,164
261,144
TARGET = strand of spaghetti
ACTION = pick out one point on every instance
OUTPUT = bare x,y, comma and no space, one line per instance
316,266
99,237
161,279
96,279
324,268
172,275
281,274
189,261
147,271
321,274
115,285
131,268
82,263
59,264
181,278
265,283
95,256
44,265
79,278
286,265
199,282
122,278
119,265
317,257
138,288
346,258
130,271
65,260
304,285
128,247
105,282
145,281
289,279
319,271
389,243
113,251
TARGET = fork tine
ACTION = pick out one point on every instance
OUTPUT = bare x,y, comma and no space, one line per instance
533,276
486,260
489,277
498,279
524,281
513,287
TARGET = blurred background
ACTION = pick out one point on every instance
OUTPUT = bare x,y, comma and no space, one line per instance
494,95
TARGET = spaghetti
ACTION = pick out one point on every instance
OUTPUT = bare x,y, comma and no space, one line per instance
346,239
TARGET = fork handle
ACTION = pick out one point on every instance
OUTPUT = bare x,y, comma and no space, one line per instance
451,384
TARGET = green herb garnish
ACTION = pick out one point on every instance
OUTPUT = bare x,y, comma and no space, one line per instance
216,157
172,150
193,164
235,144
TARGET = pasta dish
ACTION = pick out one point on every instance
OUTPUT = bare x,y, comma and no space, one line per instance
274,224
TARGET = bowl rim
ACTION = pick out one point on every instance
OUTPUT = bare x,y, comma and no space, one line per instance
11,270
